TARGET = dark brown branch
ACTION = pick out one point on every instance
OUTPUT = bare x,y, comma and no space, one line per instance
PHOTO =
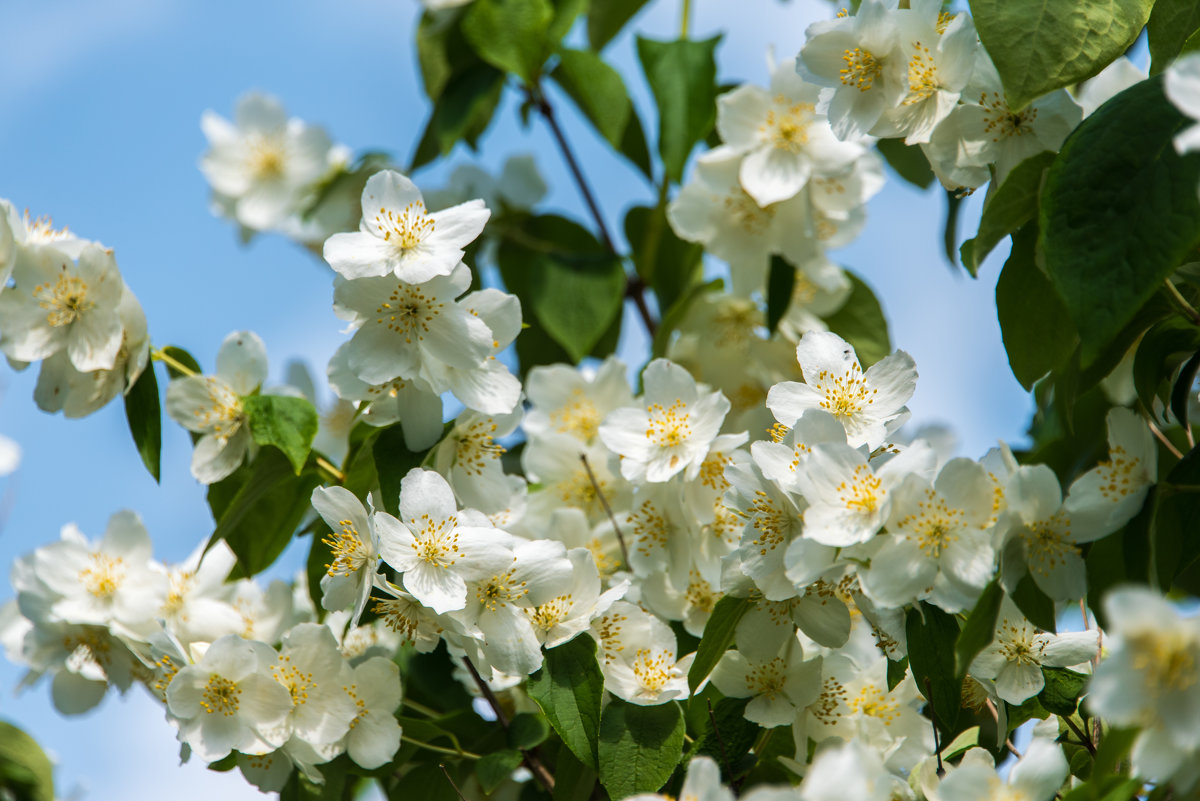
531,757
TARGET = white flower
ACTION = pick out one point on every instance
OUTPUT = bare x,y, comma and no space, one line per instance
1015,657
574,401
409,401
112,582
59,304
400,328
228,700
310,666
847,771
860,59
645,671
195,609
777,685
869,405
1119,484
1038,775
374,734
782,135
712,208
939,540
674,431
702,783
398,236
1182,87
355,545
1150,678
76,393
1114,79
435,554
262,165
212,405
941,58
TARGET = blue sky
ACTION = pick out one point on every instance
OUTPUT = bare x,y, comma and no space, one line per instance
99,128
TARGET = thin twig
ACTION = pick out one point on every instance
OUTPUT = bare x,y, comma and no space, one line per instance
937,745
532,761
1008,743
607,509
439,749
162,356
634,287
446,773
1181,302
1080,733
1163,438
720,740
337,475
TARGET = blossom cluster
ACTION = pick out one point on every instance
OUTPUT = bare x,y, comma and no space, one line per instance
237,667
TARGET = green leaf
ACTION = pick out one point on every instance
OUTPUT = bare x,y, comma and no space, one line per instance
393,460
1120,558
569,688
860,322
1042,45
1062,690
717,637
606,18
781,280
730,739
1034,604
510,34
1034,324
496,768
144,413
1171,23
598,91
462,112
932,635
1113,748
259,520
1175,540
1007,209
289,424
682,75
573,780
1119,212
977,631
359,464
527,730
908,161
427,782
1163,349
669,265
1181,392
639,746
572,284
25,770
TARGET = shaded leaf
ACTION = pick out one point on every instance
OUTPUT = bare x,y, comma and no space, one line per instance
979,627
1007,209
682,75
1171,23
606,18
569,688
143,411
908,161
781,280
717,637
639,746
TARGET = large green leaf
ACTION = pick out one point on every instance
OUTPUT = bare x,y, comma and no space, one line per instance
669,265
717,637
639,746
1007,209
461,113
682,74
860,322
606,18
1171,23
1037,331
25,770
908,161
258,521
569,688
979,627
572,284
1042,45
510,34
932,635
1119,212
143,410
289,424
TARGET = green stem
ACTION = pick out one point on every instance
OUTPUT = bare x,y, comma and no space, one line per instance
161,356
685,18
438,749
1181,303
428,712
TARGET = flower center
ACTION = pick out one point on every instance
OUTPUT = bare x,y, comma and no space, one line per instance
1001,122
475,449
408,229
767,679
668,427
747,214
220,695
297,682
1116,474
861,70
788,124
500,590
267,158
935,524
550,614
349,551
923,79
864,492
578,416
1047,543
408,311
873,702
65,301
846,395
653,669
103,578
436,542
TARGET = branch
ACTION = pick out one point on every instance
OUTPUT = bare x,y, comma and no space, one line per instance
531,757
608,509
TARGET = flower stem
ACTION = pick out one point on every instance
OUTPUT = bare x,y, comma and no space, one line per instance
438,749
159,355
337,475
607,509
1181,303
